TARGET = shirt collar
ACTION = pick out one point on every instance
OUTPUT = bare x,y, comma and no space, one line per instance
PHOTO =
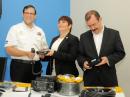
27,26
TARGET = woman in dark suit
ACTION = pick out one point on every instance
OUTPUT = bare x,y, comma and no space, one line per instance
63,50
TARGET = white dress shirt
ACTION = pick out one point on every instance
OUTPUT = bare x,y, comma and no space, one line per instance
98,40
24,38
56,44
55,47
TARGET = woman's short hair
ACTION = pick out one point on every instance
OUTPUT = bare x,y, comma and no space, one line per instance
66,18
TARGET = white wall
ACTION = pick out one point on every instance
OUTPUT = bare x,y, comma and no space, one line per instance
115,14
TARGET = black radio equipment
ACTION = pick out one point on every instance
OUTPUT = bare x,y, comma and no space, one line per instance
94,62
98,92
44,83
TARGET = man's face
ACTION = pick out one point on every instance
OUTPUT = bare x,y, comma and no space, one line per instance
94,24
29,16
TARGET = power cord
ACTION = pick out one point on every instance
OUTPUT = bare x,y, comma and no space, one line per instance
33,63
30,93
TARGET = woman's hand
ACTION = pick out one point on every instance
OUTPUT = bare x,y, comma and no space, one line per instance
50,53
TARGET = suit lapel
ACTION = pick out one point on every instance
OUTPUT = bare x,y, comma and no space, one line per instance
104,42
54,39
64,40
92,43
62,43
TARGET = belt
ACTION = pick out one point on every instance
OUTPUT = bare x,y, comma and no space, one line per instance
24,61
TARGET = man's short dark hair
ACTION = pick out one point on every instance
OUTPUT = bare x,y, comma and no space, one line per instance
90,13
29,6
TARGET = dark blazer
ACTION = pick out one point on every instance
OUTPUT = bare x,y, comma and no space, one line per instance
111,47
65,56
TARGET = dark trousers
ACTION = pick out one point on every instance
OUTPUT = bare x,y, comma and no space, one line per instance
101,76
24,71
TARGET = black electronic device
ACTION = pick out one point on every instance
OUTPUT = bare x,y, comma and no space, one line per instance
2,90
94,62
1,94
95,92
32,50
44,83
46,95
3,61
43,52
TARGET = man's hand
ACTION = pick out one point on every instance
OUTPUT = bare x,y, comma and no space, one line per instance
42,56
30,55
104,61
86,66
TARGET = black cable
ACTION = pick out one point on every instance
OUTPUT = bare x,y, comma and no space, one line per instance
29,95
33,63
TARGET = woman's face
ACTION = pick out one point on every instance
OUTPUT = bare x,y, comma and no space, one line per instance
63,26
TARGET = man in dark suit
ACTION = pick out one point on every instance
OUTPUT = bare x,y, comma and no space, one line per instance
100,49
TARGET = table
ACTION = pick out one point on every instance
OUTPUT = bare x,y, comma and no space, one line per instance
10,93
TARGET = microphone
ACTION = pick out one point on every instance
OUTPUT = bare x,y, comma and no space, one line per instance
33,51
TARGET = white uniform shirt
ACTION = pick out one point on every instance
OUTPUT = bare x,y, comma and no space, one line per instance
25,38
98,40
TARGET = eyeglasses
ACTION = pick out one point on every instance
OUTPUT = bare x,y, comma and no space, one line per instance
27,13
95,24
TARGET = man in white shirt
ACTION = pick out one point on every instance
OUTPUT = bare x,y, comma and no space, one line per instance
100,49
21,38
